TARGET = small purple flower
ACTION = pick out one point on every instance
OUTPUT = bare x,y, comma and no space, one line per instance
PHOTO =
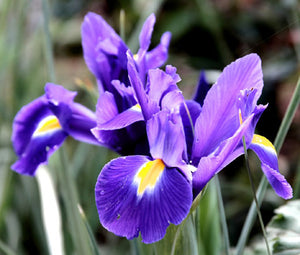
41,126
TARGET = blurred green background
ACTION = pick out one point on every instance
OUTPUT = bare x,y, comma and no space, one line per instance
206,35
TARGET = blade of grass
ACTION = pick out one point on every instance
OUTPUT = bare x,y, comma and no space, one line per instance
68,189
283,129
6,249
222,216
48,42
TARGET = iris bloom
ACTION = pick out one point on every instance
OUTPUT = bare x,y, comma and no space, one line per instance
105,55
229,106
141,193
41,126
189,143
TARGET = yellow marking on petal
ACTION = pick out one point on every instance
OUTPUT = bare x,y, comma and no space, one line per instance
50,123
137,108
240,117
261,140
149,174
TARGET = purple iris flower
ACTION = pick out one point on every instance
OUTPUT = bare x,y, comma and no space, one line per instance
41,126
119,120
144,194
228,113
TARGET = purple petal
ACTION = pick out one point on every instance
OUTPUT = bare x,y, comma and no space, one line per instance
214,162
80,124
266,152
138,87
106,108
38,151
160,83
26,122
159,55
218,119
166,138
202,89
189,111
123,119
135,194
94,30
37,133
172,101
76,119
146,33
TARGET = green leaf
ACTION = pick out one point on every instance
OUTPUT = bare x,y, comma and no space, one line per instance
283,232
284,229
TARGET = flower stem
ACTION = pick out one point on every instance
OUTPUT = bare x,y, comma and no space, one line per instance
222,216
254,197
283,129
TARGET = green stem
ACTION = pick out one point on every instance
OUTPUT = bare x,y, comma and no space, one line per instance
222,216
254,196
78,230
284,127
297,183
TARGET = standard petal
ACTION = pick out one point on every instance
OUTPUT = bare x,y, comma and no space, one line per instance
138,87
210,165
266,152
218,120
159,55
135,194
146,33
94,30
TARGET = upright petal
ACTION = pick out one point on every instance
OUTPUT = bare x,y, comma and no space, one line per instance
101,44
146,33
136,194
138,87
218,117
159,55
266,152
